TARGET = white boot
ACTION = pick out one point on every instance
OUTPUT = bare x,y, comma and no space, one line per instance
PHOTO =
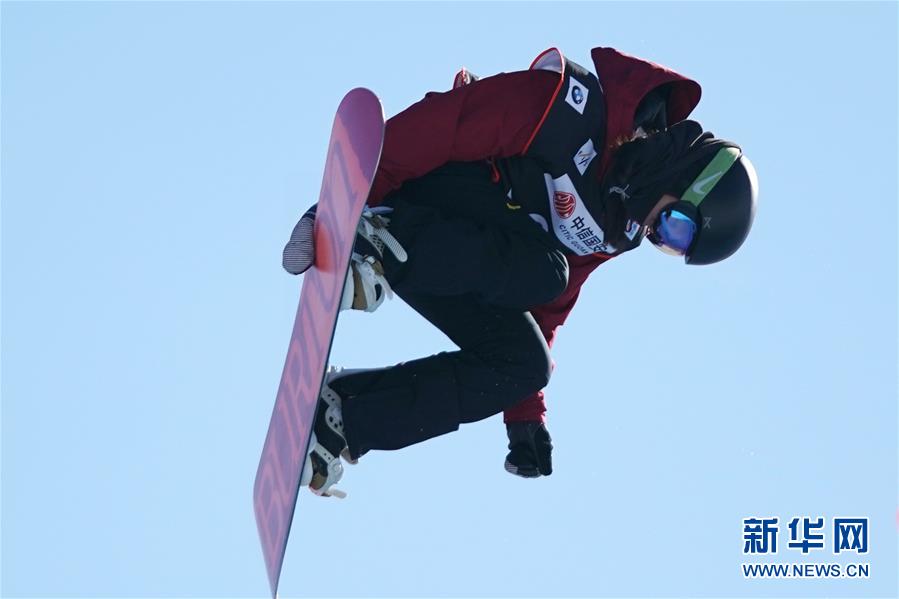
366,287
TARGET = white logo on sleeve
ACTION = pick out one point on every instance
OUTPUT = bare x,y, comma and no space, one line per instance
577,95
584,156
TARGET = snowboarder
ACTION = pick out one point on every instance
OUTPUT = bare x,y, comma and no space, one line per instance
492,204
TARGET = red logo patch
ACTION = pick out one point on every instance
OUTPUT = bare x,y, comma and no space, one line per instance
564,204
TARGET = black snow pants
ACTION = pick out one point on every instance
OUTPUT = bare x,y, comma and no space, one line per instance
475,266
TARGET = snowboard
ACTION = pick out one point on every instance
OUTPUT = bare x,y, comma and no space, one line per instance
352,159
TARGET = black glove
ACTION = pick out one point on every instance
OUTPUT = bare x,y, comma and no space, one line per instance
530,449
299,253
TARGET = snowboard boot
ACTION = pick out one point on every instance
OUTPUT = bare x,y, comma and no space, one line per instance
366,286
323,468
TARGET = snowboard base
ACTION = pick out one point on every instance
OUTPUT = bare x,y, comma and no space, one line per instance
353,155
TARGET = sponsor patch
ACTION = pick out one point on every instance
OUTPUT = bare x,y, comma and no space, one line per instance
564,203
584,156
577,95
572,223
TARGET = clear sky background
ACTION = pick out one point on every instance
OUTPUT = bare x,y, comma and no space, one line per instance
155,157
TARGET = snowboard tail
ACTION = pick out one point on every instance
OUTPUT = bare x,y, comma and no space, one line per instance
353,154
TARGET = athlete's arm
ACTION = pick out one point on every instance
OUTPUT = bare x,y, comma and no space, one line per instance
493,117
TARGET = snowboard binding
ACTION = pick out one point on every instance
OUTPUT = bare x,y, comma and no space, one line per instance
323,468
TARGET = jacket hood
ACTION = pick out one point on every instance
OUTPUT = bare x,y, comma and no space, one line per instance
626,80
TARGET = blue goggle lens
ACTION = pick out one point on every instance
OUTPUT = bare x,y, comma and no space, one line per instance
674,232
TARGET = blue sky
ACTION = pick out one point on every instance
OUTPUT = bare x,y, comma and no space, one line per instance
155,157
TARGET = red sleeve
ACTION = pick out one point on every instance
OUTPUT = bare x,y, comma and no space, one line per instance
492,117
549,317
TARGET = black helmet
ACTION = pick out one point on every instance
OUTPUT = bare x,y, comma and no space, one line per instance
721,202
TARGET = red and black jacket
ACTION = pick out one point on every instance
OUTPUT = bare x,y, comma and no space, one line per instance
499,117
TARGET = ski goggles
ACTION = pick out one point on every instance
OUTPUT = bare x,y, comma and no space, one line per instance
674,232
